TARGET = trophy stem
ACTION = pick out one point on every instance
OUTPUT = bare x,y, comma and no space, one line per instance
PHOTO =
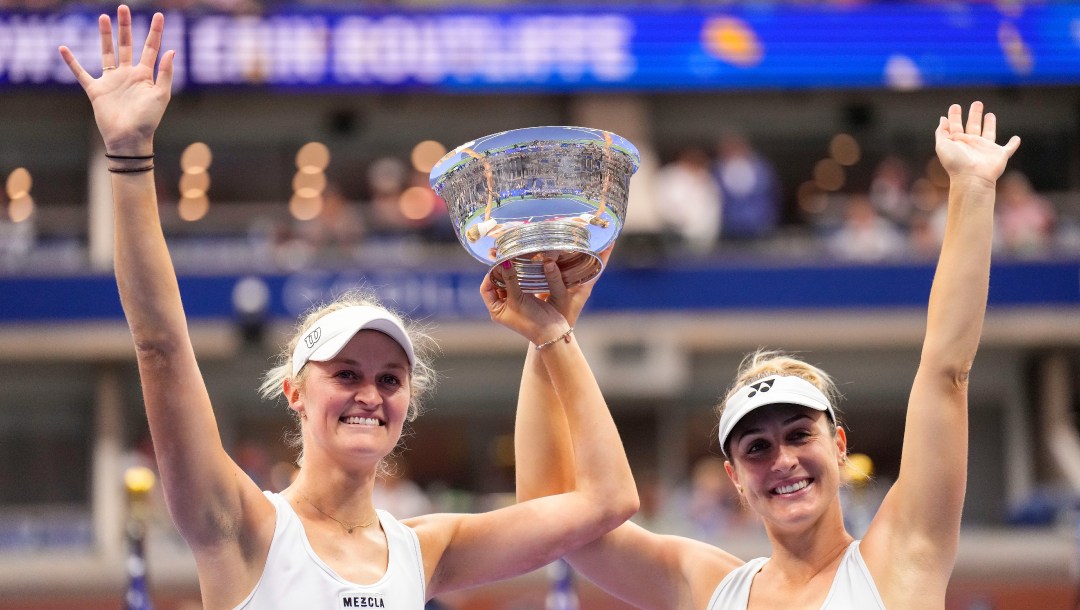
565,240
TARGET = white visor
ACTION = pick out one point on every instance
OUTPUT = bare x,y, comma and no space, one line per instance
773,390
329,334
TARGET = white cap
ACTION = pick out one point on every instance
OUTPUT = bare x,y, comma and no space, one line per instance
773,390
329,334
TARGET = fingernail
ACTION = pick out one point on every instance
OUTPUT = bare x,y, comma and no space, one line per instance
506,264
549,265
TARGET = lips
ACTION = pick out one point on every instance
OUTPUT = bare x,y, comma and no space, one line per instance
356,420
790,488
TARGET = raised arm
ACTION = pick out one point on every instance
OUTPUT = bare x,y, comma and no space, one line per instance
648,570
507,542
203,487
919,521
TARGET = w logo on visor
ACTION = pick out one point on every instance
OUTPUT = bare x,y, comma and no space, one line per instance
761,386
313,337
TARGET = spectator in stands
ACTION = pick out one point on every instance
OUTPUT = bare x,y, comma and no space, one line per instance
431,218
1025,219
352,374
642,239
930,203
712,510
337,230
865,236
386,178
890,190
785,448
396,493
688,201
749,188
17,239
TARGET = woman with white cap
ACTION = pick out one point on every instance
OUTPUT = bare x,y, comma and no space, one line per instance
784,448
353,375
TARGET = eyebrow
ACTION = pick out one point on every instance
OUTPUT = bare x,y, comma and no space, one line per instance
788,421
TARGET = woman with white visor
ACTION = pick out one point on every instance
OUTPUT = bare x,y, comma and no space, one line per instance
353,374
784,449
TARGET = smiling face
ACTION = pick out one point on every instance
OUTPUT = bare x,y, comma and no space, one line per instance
356,403
786,460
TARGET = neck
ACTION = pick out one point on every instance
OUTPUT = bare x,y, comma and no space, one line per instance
330,475
802,554
343,494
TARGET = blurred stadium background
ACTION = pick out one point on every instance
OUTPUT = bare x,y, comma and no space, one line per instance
788,198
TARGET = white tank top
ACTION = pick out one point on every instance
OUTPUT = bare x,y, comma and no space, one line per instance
295,577
852,589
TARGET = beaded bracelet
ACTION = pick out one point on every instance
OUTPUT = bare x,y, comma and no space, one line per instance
563,337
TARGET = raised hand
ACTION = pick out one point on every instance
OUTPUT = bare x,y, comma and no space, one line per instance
570,301
970,151
128,102
526,314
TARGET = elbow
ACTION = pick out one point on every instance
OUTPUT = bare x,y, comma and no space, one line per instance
630,508
952,371
948,385
620,508
624,499
598,516
955,377
609,511
155,350
949,355
960,378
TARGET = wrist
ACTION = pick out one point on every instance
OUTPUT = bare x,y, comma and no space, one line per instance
129,163
972,182
563,337
131,146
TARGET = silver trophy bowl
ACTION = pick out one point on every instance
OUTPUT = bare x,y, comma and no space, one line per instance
539,192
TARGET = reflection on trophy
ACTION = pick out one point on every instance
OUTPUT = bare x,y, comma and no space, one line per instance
540,192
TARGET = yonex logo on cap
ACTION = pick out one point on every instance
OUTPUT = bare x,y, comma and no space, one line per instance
761,386
781,389
313,337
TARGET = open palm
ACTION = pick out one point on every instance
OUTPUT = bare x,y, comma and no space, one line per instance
128,102
971,151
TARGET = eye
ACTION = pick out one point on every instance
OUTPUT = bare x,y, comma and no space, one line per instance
800,435
756,446
345,374
392,380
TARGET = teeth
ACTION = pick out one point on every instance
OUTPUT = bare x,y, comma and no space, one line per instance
369,421
787,489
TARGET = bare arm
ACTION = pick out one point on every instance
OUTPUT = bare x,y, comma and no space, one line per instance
204,489
646,569
514,540
920,517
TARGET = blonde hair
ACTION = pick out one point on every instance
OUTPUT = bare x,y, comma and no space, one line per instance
763,363
422,376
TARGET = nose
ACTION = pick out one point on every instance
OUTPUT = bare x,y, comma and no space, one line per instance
368,395
785,459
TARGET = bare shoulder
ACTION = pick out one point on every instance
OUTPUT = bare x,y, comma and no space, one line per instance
435,531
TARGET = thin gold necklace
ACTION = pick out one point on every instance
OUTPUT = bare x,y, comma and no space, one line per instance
348,528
